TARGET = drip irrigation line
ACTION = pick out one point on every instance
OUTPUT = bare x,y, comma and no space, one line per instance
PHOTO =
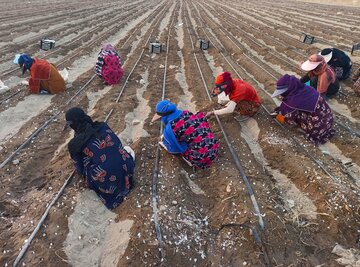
154,199
156,171
37,228
350,130
27,245
234,155
28,140
42,127
243,175
353,132
128,77
34,134
10,96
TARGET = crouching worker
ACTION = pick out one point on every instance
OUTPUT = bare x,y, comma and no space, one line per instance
44,77
108,65
303,106
338,61
187,134
99,156
243,97
320,75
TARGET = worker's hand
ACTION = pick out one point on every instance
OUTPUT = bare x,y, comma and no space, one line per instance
280,118
274,114
209,114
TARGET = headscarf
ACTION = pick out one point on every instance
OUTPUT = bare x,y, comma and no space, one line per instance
84,128
25,62
298,95
168,113
224,78
108,47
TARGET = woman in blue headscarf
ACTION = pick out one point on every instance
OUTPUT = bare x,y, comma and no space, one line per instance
187,134
304,106
44,77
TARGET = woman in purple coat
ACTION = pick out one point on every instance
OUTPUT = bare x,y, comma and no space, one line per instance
303,105
99,156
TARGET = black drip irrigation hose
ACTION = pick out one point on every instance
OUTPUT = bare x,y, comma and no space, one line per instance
42,127
10,96
67,181
334,178
155,176
45,214
233,153
350,130
63,60
34,134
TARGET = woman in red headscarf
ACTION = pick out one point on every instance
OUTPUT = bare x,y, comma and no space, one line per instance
243,97
321,76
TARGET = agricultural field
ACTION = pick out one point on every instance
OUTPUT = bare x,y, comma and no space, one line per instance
271,199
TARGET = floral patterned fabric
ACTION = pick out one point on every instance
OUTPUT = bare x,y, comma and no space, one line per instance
318,125
195,130
108,167
112,70
101,57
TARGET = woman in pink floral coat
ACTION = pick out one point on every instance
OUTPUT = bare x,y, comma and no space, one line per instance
187,134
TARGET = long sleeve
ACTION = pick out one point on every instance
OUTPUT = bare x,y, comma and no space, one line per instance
230,107
34,85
